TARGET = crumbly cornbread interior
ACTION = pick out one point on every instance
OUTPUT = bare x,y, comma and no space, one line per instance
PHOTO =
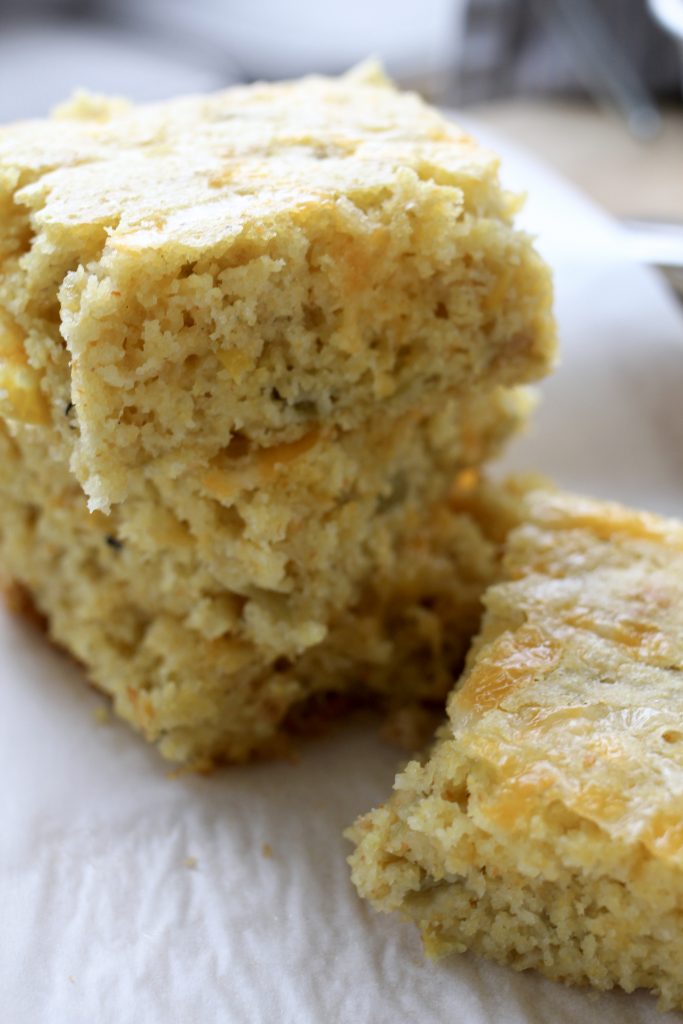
246,342
544,829
189,665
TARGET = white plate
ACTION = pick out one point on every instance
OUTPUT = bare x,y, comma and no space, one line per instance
103,918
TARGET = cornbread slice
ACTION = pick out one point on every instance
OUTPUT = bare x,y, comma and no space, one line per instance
246,341
545,828
191,665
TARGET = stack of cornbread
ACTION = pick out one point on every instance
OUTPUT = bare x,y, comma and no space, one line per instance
248,341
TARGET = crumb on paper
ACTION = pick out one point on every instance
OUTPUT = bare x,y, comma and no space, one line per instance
267,851
190,863
72,979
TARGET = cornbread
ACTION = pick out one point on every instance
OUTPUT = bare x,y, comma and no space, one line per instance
186,668
246,341
545,830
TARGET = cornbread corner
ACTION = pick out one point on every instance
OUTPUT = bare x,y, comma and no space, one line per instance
246,342
544,829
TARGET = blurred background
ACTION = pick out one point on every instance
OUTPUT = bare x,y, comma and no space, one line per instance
592,86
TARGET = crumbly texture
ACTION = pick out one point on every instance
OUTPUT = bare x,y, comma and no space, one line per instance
190,665
544,830
246,341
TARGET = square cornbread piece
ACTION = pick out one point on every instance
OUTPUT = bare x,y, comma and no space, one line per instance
199,299
175,651
246,341
545,828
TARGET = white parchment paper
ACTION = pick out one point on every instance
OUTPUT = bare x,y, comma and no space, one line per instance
130,896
